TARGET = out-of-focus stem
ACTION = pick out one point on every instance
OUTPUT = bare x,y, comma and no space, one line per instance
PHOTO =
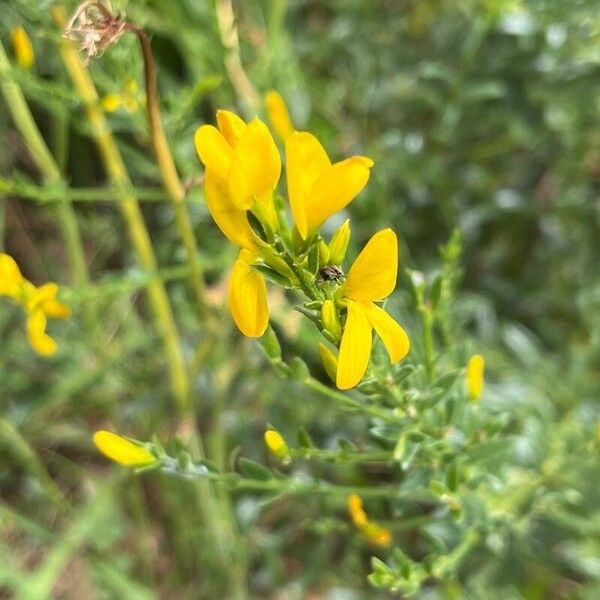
23,119
159,301
168,171
233,63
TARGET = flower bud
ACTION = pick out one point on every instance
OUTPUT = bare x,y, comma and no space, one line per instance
330,319
330,361
323,253
122,451
475,369
339,244
276,444
278,115
22,48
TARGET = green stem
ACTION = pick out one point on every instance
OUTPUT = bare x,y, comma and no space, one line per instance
427,323
45,162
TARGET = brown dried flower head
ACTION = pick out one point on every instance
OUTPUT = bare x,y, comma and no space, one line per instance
94,27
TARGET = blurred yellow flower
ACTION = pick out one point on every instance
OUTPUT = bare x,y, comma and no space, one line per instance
129,99
475,369
329,360
122,450
279,115
38,303
316,188
373,532
22,48
372,277
276,444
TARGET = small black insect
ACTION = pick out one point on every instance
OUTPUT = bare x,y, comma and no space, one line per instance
330,273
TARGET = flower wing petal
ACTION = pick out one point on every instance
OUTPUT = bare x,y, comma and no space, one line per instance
392,335
213,150
372,276
355,348
40,341
231,126
10,276
121,450
232,221
306,160
336,188
255,168
248,297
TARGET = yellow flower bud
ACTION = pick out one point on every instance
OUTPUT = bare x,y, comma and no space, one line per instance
329,360
122,451
22,48
339,244
276,444
330,319
323,253
376,534
278,115
475,369
356,511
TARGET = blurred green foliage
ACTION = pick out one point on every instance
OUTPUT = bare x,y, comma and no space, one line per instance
482,116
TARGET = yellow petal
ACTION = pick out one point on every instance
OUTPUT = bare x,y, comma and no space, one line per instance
22,48
373,274
475,369
10,277
36,331
122,450
232,221
45,293
391,333
213,150
376,534
355,348
356,510
55,309
255,168
248,297
336,188
306,159
278,115
231,126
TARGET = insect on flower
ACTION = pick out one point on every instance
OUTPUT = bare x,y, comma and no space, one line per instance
330,273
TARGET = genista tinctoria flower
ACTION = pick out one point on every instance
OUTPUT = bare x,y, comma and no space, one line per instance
372,531
372,277
38,303
242,171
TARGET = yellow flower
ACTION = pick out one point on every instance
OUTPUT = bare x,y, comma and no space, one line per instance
475,369
278,115
242,170
371,278
244,156
38,303
111,102
276,444
131,99
373,532
248,296
316,188
22,48
11,280
122,451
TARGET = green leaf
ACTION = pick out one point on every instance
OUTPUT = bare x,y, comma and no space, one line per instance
253,470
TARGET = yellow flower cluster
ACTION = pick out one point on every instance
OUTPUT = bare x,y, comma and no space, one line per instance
243,168
373,532
38,303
